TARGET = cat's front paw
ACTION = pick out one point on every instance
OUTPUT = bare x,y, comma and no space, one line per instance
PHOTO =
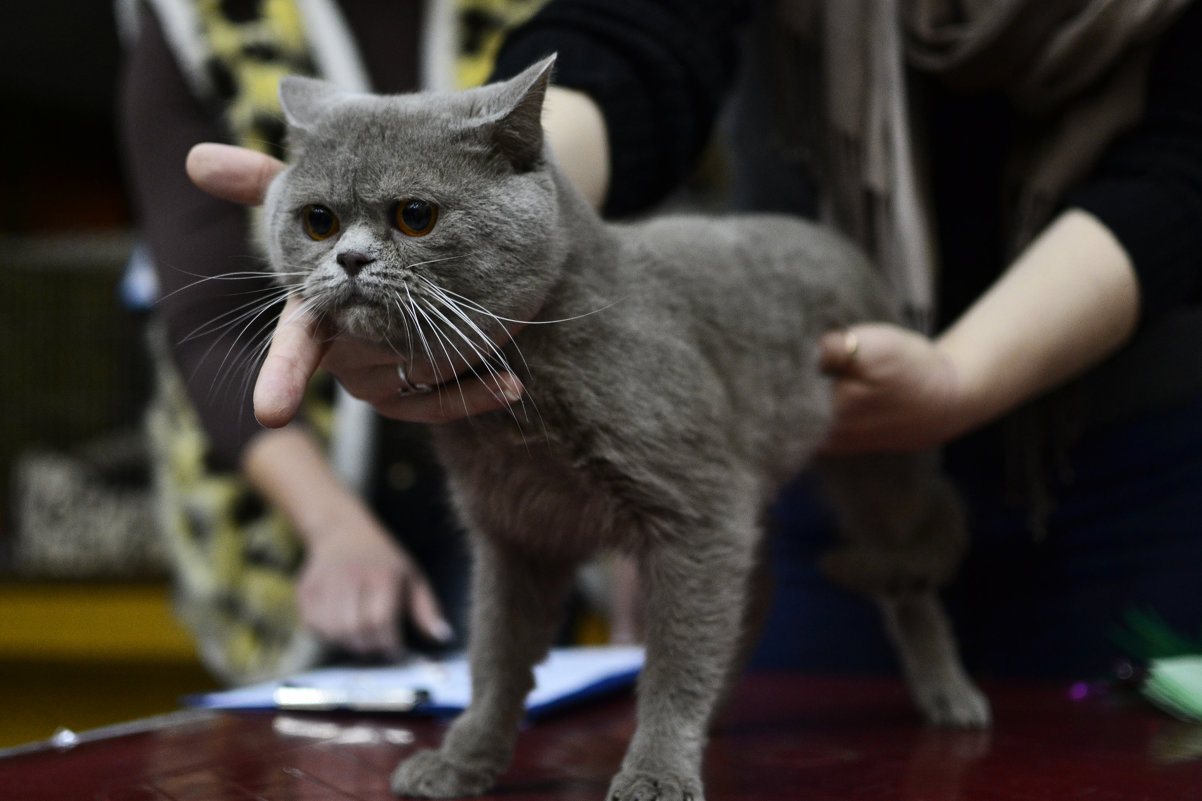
430,774
644,786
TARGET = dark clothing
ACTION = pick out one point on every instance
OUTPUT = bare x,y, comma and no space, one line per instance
1121,539
1125,489
660,71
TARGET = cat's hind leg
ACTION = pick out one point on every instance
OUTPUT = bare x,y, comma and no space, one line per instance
517,603
905,533
926,647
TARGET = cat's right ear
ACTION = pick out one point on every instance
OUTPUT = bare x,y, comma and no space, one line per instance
305,100
517,130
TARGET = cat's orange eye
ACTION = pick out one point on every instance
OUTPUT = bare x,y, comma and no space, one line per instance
415,217
320,223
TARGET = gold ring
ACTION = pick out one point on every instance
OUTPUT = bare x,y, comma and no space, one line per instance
851,344
409,388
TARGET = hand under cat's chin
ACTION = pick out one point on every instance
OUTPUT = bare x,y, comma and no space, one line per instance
453,400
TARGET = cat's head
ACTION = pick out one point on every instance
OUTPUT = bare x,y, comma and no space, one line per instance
423,221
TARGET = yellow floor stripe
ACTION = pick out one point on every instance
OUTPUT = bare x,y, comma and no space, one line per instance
90,621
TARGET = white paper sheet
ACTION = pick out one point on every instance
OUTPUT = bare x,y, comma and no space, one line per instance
566,676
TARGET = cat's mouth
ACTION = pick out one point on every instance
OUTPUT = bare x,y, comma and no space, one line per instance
362,319
420,320
349,295
356,310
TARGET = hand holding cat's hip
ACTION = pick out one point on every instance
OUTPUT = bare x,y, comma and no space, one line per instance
894,390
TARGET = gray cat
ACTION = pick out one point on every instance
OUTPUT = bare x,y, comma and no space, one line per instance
671,385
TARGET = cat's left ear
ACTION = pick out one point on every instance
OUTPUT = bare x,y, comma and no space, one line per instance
517,130
305,100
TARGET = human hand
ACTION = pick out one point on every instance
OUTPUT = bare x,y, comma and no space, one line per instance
356,583
894,390
299,344
354,588
416,389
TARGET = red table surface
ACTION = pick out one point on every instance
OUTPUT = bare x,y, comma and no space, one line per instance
783,737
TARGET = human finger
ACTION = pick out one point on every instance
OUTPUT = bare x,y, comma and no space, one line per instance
425,611
456,400
837,351
369,372
363,366
232,173
295,352
355,630
379,618
321,609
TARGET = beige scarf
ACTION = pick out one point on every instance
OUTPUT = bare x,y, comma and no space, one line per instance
1074,70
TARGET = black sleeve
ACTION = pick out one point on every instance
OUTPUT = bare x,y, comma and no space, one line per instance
1147,189
659,69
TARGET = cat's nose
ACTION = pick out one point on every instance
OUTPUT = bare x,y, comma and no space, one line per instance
353,261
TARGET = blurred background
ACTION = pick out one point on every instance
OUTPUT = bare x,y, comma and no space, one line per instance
86,631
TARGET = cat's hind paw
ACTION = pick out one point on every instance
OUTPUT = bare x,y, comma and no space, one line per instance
430,774
642,786
955,705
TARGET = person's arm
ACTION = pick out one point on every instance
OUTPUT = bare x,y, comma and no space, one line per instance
1147,187
576,132
1124,253
194,239
1067,302
355,583
657,71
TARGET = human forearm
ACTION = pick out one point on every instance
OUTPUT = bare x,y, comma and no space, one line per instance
1066,303
288,467
356,581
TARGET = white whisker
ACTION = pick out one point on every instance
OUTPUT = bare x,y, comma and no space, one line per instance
444,297
244,275
418,329
253,345
493,350
236,315
473,305
443,342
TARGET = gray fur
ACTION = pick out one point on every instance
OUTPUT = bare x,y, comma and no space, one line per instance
671,388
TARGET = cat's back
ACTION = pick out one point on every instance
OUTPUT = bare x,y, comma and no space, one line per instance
723,315
760,266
